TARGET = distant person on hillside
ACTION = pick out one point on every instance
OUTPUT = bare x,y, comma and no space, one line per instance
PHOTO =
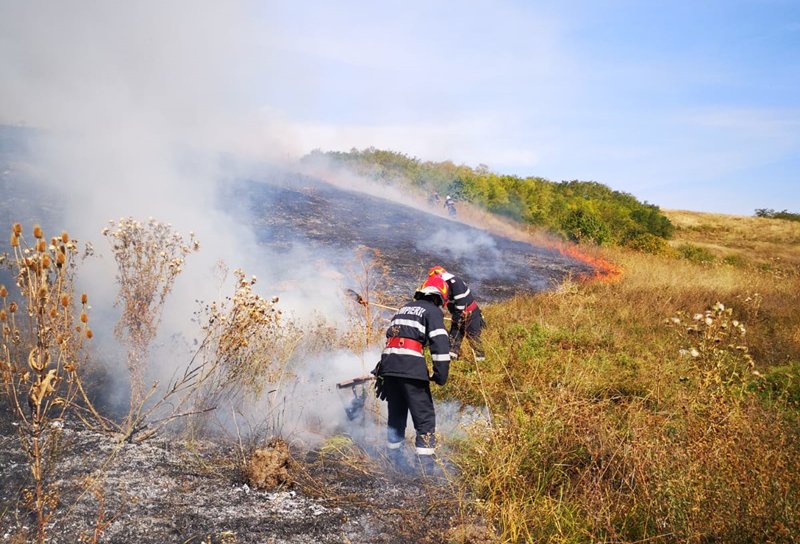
467,318
450,204
434,199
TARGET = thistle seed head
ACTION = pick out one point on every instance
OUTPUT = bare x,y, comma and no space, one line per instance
46,261
60,259
3,315
14,240
84,298
37,232
65,300
64,236
89,334
17,229
12,307
3,291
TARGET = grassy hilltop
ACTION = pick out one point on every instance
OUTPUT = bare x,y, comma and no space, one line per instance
662,406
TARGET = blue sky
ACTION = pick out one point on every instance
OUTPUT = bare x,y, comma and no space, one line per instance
691,105
686,104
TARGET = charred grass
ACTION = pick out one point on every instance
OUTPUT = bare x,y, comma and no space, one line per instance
660,407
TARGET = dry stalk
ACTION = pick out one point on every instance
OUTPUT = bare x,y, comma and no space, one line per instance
371,276
41,351
149,258
246,350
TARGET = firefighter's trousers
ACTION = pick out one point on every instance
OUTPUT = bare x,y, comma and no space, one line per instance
404,395
470,326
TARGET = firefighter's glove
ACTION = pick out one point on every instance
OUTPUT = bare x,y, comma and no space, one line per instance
436,378
380,394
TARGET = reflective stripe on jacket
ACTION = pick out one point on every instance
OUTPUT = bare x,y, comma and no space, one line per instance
460,296
422,321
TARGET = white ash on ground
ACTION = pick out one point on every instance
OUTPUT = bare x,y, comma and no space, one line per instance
170,490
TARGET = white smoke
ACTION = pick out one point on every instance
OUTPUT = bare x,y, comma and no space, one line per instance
139,111
142,112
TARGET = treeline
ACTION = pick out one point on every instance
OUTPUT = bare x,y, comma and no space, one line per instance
772,214
582,211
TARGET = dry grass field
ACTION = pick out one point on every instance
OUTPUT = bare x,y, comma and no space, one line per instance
659,407
769,243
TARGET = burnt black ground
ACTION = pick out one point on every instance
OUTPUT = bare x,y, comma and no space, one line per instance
293,210
285,209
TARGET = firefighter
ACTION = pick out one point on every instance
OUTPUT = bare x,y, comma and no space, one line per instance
467,318
403,378
450,204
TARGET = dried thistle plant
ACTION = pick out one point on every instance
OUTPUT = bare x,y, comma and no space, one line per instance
41,350
247,345
149,258
716,346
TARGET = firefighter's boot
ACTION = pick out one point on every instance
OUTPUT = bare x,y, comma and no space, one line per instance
397,459
426,465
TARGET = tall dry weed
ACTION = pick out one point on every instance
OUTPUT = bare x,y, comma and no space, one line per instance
367,306
44,331
246,350
149,258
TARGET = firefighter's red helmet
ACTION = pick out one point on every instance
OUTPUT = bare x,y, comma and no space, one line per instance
440,271
434,285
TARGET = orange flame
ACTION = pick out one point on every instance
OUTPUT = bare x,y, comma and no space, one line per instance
604,271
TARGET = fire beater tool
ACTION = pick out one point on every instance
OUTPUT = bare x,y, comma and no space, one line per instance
355,407
364,302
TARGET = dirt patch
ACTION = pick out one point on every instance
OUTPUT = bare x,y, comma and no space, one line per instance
270,467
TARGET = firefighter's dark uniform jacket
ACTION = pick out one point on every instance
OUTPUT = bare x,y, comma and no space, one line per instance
421,321
467,317
460,297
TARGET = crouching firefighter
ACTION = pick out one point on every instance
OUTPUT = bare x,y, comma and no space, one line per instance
467,317
403,379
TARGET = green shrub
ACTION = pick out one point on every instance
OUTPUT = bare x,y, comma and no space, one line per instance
695,254
772,214
584,225
782,381
648,243
735,260
580,210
